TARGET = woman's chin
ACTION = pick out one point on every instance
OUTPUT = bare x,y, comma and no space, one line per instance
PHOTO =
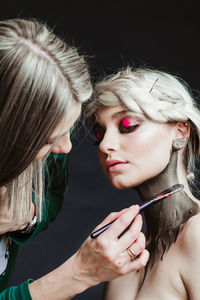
120,185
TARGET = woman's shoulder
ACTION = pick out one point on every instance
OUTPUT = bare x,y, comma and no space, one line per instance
188,256
192,227
190,236
124,287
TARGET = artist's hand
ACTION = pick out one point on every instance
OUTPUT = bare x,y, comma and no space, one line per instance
7,224
106,257
98,260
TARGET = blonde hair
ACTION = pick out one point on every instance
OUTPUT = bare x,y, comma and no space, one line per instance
156,94
41,80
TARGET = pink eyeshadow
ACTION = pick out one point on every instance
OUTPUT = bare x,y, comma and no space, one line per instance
98,136
126,122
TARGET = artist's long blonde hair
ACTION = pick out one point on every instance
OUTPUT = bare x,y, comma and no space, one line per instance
41,80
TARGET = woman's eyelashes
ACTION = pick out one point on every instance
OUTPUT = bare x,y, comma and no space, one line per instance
99,134
125,126
128,125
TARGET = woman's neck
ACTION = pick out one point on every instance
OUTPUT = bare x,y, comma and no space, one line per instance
166,218
162,181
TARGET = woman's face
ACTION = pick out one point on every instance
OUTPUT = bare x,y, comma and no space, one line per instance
132,148
62,135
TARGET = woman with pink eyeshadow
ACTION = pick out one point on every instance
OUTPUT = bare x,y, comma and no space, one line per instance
147,128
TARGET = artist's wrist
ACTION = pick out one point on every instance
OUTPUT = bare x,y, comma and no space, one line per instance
82,271
61,283
79,275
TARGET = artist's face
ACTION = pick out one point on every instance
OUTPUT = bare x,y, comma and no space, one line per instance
62,135
132,148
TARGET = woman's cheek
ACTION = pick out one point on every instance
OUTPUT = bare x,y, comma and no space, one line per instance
145,140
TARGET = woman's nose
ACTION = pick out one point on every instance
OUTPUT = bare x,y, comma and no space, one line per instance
64,145
109,142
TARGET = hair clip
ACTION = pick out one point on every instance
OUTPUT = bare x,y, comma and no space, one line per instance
153,85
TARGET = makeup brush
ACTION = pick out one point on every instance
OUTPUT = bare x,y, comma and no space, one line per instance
163,195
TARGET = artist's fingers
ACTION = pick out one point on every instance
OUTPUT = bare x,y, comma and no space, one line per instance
122,222
138,246
132,234
133,251
136,264
111,217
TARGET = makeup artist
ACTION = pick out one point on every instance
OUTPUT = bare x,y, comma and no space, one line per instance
148,132
43,83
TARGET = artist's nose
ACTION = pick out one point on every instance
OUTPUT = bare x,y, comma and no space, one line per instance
110,142
63,145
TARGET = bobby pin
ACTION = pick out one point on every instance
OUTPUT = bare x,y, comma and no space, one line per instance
153,85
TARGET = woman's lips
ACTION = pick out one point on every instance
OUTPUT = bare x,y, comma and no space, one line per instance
113,165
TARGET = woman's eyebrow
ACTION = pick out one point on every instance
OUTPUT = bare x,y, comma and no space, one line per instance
116,115
121,113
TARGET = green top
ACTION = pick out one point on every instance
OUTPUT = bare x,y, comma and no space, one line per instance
54,194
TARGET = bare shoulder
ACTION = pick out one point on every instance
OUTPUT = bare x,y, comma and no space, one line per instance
190,236
188,256
125,287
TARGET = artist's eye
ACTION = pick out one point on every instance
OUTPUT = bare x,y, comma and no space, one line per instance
127,125
99,134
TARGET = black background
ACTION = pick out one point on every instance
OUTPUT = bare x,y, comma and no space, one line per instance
160,34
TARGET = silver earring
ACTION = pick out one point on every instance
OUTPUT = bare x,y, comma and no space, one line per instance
178,144
190,175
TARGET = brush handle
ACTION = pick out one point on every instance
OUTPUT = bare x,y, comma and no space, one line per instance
96,233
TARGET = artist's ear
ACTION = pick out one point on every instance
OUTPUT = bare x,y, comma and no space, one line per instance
182,130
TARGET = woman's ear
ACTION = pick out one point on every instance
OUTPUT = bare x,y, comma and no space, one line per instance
182,130
182,135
